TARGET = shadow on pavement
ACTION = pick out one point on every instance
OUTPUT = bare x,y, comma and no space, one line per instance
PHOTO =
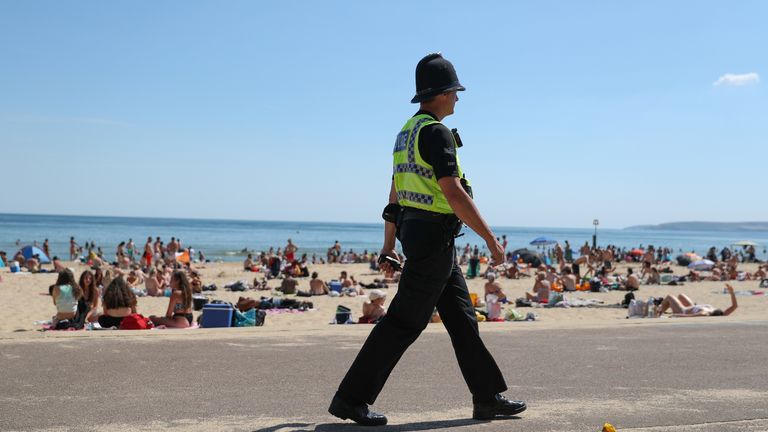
286,425
405,427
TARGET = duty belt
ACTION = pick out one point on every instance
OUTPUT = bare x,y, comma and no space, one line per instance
411,213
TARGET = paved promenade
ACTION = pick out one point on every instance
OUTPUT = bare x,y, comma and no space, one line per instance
696,375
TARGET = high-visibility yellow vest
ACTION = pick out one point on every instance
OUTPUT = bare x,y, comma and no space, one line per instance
415,180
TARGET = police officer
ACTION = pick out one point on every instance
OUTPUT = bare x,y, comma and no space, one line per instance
429,199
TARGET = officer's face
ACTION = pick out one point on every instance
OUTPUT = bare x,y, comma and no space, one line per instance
450,100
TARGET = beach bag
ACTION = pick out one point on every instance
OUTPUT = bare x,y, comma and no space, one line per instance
343,314
637,309
514,315
494,309
555,298
250,318
595,284
136,322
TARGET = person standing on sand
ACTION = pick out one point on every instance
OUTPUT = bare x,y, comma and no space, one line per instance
148,252
72,249
290,251
429,198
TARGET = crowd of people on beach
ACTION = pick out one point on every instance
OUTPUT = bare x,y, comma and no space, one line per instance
168,269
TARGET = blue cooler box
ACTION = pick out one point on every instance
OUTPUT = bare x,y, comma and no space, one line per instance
335,285
217,315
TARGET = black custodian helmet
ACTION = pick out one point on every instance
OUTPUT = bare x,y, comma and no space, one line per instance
435,75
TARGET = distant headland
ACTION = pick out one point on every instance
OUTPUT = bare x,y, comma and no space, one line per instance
704,226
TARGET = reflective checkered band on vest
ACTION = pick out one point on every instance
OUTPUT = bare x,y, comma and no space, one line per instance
412,139
415,169
401,142
415,197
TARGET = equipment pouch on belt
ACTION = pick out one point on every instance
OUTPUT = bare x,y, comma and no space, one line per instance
391,212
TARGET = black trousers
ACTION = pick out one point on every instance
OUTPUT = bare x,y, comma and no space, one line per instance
430,279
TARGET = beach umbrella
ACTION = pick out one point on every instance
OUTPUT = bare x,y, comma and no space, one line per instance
529,257
637,252
744,243
702,264
543,241
30,251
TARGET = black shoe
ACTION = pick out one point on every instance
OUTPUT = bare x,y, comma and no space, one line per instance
357,413
499,406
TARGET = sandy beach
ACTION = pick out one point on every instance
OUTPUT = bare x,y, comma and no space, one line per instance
25,300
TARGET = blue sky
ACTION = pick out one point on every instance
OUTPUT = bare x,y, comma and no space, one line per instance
288,110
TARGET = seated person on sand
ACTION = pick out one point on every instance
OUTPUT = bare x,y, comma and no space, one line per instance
654,278
346,281
568,279
716,276
179,313
317,286
551,276
90,295
248,263
154,283
373,308
260,284
57,265
66,294
134,280
19,258
759,274
540,289
119,302
289,285
493,287
93,257
390,276
195,282
683,306
33,264
632,283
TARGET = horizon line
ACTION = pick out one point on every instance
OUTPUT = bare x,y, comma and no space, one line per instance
261,220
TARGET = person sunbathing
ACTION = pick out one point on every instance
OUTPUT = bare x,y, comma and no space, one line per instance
683,306
33,264
119,302
654,278
154,283
540,289
632,283
373,309
179,313
57,265
568,279
317,286
716,276
493,287
289,285
66,294
90,295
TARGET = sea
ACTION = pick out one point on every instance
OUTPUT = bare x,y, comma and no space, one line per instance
230,240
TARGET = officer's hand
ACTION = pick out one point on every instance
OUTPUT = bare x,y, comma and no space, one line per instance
497,252
383,264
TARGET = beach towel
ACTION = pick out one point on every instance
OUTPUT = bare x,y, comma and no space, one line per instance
745,293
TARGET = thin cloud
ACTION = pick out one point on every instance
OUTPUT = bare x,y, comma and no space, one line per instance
730,79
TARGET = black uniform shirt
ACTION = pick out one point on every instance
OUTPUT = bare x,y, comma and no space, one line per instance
437,148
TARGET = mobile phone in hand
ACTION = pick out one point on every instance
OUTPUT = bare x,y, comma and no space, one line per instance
393,262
